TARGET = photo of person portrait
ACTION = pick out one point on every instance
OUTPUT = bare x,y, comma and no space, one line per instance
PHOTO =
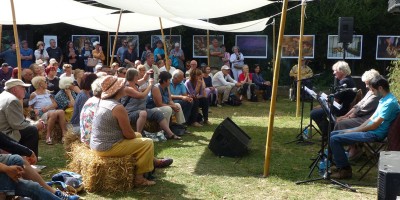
335,49
170,40
80,40
388,47
252,46
200,44
290,46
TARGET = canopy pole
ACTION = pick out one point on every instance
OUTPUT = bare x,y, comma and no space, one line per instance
16,39
208,47
165,46
115,39
274,90
303,5
273,41
108,46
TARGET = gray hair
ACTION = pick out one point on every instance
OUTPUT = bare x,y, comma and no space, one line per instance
65,82
343,67
36,81
369,75
176,73
131,73
96,87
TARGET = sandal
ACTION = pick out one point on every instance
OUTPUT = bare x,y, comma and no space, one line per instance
173,137
144,182
49,141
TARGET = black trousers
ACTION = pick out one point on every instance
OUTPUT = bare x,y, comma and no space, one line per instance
30,138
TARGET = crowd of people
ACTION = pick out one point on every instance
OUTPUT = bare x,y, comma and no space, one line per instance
108,106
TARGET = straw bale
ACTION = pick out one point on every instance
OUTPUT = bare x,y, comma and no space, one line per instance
69,139
149,126
111,174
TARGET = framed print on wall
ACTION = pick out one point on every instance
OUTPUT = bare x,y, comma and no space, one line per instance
388,47
47,38
129,38
170,41
200,44
290,46
252,46
79,41
335,49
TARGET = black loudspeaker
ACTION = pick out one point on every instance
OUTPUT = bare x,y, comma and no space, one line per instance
389,175
229,140
345,31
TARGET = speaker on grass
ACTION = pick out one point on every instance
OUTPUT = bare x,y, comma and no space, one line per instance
229,140
389,175
345,31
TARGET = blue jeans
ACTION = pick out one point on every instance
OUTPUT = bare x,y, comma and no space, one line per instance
23,187
338,139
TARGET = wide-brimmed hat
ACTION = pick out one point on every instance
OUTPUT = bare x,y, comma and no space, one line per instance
111,85
15,82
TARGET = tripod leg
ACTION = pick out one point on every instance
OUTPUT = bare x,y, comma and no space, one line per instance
307,181
314,165
344,185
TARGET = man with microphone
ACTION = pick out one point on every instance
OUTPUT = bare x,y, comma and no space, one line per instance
342,72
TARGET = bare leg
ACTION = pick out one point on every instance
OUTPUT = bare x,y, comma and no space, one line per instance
31,174
51,120
164,126
61,121
141,121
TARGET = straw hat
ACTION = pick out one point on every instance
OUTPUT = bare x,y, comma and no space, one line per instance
111,85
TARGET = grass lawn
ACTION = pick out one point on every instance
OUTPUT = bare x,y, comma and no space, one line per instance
198,174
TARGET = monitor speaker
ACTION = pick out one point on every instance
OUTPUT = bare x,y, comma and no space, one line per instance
389,175
345,31
229,140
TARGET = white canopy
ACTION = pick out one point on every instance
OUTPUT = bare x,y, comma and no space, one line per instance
38,12
187,9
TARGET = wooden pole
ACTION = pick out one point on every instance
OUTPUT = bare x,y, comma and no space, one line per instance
165,46
299,62
16,39
208,47
274,90
115,39
108,47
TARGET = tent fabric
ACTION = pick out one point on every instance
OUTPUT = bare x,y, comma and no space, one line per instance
187,9
39,12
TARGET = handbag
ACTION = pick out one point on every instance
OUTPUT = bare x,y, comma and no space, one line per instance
91,62
178,129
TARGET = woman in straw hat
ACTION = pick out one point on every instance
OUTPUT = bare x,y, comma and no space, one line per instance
112,134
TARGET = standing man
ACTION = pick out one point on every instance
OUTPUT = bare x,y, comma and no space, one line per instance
374,129
159,53
216,55
224,83
121,50
55,52
149,64
177,57
13,121
26,55
10,56
129,56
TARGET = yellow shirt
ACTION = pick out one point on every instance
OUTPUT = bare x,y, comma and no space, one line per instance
305,72
98,55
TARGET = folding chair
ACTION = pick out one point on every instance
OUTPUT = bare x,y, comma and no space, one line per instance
391,143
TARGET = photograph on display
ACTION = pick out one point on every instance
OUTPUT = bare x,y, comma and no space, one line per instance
7,37
170,41
47,38
200,47
129,38
79,41
335,49
252,46
290,46
388,47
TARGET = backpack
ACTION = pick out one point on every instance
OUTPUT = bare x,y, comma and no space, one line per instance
233,100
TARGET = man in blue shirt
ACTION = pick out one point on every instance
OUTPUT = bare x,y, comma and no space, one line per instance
26,55
10,56
374,129
179,95
159,53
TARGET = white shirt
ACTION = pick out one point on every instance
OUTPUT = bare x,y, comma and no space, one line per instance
220,80
171,69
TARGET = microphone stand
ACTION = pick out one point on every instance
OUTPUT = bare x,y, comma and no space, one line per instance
327,174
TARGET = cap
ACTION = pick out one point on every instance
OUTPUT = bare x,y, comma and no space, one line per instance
96,43
15,82
225,67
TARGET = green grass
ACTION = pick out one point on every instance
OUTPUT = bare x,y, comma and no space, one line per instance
198,174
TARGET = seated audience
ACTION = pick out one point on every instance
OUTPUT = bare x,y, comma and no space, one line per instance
247,85
262,84
196,90
121,72
135,104
52,79
160,97
65,98
211,91
374,129
224,83
179,95
143,77
44,106
67,71
112,135
81,98
171,68
5,75
36,69
78,75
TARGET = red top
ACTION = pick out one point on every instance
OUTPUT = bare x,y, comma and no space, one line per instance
241,77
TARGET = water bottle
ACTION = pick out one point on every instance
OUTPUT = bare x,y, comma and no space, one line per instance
291,94
322,167
305,134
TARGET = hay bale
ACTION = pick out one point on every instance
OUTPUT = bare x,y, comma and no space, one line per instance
70,138
111,174
149,126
